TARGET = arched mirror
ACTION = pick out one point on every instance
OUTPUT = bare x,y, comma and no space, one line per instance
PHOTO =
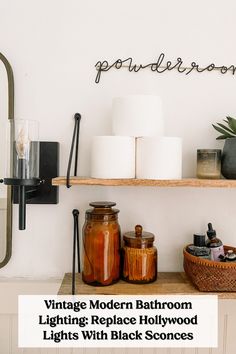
6,112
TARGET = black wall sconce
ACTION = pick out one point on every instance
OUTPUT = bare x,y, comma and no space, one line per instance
32,166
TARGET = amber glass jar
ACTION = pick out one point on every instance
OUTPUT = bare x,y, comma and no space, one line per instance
139,257
101,245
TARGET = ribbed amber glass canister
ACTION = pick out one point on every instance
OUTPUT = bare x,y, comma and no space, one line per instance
101,245
139,257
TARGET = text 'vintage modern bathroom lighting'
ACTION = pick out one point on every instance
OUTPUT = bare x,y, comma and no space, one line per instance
31,167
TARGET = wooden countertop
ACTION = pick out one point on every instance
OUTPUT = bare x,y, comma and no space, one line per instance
166,284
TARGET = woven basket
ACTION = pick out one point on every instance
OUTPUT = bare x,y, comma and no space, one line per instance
209,275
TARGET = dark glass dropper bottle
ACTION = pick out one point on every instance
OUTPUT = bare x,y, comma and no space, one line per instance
215,244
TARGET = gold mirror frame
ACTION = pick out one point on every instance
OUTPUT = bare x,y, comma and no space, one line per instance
10,80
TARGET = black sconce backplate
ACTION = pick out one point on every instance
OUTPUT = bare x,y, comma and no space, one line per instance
45,193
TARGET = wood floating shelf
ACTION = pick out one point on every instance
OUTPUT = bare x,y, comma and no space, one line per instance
186,182
166,284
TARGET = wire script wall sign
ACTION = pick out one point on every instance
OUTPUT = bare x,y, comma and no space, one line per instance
160,66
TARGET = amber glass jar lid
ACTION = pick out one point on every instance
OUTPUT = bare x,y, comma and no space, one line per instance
102,208
102,204
138,238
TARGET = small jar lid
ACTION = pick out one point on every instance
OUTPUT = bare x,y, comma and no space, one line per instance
231,255
139,238
102,208
102,204
199,240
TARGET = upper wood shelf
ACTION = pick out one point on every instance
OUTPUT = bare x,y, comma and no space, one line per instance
186,182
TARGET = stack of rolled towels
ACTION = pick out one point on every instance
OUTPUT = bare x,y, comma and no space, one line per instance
138,147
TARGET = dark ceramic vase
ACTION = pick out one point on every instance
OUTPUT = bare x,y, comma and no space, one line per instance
228,163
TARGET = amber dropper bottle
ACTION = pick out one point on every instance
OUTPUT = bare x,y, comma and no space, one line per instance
215,244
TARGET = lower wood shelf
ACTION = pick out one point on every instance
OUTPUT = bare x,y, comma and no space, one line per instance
166,284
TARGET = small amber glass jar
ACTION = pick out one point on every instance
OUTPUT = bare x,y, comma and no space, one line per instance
139,257
101,245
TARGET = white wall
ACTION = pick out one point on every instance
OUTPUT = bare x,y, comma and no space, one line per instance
53,47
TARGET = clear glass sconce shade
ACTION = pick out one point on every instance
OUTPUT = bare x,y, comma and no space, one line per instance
24,135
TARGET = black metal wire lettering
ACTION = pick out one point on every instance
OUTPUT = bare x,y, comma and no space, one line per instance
159,62
193,66
100,67
211,67
224,70
233,68
159,66
180,62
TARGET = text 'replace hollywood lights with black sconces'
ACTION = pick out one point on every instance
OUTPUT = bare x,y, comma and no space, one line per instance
31,167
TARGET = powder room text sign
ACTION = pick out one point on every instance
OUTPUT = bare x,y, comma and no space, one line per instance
160,66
